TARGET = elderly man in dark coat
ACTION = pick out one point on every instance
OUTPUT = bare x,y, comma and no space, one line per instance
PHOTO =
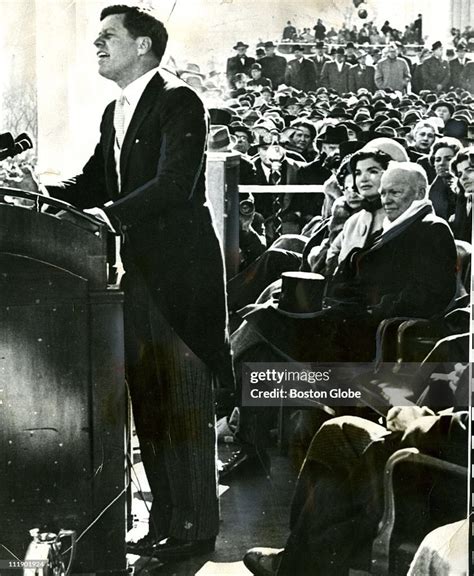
335,74
435,71
301,72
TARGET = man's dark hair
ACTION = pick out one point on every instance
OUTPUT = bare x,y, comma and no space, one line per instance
140,22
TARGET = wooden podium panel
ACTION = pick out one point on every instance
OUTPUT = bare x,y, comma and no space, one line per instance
62,392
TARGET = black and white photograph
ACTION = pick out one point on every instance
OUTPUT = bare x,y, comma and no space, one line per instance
235,287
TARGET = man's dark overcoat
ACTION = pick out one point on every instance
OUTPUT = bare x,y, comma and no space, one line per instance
162,212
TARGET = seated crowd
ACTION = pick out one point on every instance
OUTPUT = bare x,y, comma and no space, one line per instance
367,33
393,171
393,257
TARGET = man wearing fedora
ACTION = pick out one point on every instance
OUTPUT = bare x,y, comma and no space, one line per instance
435,71
328,142
335,74
361,75
319,59
301,72
273,66
240,63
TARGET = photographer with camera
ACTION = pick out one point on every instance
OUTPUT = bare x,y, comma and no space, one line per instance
251,232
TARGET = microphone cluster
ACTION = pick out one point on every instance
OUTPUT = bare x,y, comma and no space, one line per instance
10,147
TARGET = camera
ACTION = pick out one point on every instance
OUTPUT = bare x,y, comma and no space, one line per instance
246,207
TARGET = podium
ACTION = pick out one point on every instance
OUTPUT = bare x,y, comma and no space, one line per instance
62,391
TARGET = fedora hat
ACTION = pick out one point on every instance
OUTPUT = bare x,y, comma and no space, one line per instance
334,135
219,139
351,125
362,117
350,147
440,103
194,80
301,293
251,117
191,68
220,116
456,128
396,125
241,127
240,45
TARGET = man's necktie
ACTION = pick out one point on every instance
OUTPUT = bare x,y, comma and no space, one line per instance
275,178
119,119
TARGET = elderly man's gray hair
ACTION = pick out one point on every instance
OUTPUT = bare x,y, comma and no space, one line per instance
416,174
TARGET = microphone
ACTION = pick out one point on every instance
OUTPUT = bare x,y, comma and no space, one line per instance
22,143
10,148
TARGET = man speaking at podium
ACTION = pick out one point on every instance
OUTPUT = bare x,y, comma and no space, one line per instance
147,179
